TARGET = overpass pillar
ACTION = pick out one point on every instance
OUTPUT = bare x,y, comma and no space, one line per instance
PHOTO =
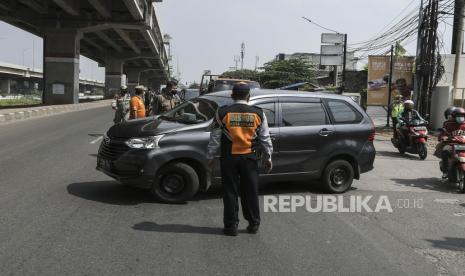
132,79
6,84
113,77
143,80
61,52
155,83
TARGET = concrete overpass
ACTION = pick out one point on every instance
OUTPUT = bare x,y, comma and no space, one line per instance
122,35
26,78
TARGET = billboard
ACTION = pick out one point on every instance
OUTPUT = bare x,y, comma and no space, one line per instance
332,38
331,60
378,77
332,49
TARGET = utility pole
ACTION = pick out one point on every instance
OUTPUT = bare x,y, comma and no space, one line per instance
390,86
344,64
236,61
242,55
458,4
418,66
432,55
33,53
256,62
459,14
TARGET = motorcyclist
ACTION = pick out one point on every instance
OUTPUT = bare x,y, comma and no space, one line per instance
455,121
407,115
396,108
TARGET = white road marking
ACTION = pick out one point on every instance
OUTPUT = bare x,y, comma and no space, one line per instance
447,200
96,140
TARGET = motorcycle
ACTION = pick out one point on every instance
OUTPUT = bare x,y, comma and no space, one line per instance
456,161
415,140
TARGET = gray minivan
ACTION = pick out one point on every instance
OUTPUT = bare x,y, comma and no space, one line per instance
315,136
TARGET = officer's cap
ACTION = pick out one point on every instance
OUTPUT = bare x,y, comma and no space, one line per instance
140,87
241,89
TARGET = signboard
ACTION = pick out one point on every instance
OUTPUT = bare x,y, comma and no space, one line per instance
331,60
332,49
378,78
58,89
332,38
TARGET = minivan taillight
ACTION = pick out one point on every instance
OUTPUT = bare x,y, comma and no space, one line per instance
371,136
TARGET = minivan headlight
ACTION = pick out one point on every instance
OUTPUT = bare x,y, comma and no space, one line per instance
150,142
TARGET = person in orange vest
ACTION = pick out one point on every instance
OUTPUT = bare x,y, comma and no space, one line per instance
137,106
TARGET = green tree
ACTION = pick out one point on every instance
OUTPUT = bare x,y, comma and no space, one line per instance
399,51
245,74
279,73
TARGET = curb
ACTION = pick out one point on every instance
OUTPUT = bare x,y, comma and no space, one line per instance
35,112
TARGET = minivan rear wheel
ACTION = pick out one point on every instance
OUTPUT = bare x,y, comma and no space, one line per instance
338,176
175,183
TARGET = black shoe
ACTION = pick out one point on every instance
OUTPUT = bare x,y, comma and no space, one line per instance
252,228
230,231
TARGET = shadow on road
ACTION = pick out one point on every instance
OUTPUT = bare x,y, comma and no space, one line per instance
457,244
398,155
176,228
276,188
110,192
432,184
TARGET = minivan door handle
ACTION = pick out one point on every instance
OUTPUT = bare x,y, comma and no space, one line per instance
325,132
273,136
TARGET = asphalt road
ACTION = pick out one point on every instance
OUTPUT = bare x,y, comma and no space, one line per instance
59,216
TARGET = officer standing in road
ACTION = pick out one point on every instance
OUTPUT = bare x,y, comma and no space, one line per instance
241,133
121,105
137,109
167,100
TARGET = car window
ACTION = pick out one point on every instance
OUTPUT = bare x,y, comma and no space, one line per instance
269,110
303,114
222,85
197,110
343,113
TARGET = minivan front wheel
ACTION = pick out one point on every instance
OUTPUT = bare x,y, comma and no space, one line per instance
175,183
338,176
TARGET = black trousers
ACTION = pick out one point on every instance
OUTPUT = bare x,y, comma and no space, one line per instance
240,178
394,123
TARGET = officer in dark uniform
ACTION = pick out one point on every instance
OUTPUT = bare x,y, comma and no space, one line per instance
241,133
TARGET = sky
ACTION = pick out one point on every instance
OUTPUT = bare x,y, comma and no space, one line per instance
207,34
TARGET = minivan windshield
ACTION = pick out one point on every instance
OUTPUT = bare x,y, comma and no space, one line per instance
197,110
222,85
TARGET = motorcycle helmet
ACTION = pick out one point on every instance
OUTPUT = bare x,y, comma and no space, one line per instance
459,115
448,112
408,104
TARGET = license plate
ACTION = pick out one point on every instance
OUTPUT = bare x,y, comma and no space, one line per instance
105,164
459,147
419,128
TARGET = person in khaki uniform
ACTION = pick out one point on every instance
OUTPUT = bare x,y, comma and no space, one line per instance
121,105
167,100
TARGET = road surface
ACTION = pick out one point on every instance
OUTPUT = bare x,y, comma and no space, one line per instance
62,217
